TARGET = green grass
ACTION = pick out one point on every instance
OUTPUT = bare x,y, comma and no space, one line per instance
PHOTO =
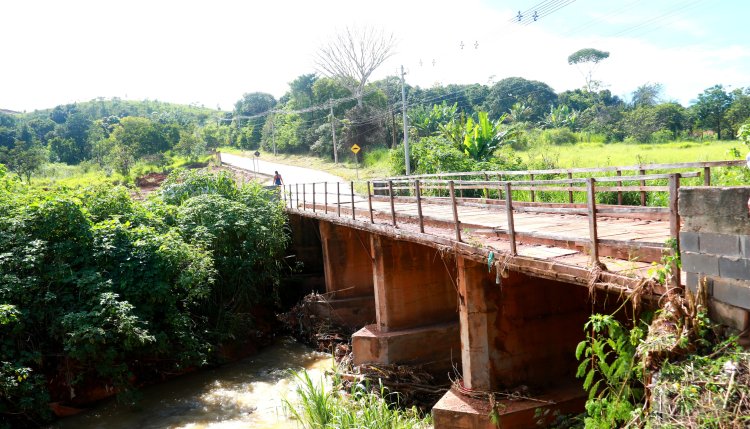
89,173
611,154
320,407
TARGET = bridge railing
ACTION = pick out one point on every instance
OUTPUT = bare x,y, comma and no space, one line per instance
569,173
331,198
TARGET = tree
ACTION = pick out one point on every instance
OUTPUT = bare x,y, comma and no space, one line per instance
537,96
353,55
141,136
26,158
590,58
646,95
671,116
711,108
739,111
253,104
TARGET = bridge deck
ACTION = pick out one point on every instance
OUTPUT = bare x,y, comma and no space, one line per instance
558,238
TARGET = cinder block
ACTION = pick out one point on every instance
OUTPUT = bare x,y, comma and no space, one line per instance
745,245
736,293
728,315
734,268
719,244
700,263
714,201
689,241
719,224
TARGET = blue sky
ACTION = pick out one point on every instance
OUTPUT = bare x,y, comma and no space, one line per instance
211,52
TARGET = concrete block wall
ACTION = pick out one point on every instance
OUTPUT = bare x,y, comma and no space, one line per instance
715,244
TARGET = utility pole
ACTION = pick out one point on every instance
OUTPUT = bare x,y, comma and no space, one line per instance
333,133
406,132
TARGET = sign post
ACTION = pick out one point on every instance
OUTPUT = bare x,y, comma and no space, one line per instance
255,162
355,149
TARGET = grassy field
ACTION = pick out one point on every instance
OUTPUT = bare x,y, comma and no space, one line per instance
89,173
602,155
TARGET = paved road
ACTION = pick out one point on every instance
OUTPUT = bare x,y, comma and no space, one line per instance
290,173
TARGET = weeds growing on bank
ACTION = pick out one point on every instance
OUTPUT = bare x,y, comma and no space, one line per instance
319,406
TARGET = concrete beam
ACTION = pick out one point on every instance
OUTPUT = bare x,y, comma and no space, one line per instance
346,261
414,285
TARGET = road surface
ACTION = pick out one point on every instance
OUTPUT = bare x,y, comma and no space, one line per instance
290,173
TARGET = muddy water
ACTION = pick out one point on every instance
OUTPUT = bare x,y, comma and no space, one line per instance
245,394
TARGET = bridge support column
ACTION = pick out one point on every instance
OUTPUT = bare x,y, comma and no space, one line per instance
477,310
348,276
415,305
521,332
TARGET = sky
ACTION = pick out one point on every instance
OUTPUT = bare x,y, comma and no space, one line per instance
211,52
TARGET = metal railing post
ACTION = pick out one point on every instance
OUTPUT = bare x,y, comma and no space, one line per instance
643,183
338,199
325,197
499,190
296,194
455,210
570,184
533,194
353,211
313,192
511,225
591,198
304,198
393,206
369,202
419,205
486,190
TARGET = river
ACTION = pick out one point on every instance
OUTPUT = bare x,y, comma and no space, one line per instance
244,394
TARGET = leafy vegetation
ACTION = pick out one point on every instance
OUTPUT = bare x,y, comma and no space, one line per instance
670,371
320,407
99,289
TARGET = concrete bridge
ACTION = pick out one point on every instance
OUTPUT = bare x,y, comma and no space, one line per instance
481,276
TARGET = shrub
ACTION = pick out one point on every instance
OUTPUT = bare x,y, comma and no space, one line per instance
558,136
112,290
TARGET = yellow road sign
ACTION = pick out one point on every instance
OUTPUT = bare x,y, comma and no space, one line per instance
355,148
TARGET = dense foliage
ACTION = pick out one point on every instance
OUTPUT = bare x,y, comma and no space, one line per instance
116,134
97,288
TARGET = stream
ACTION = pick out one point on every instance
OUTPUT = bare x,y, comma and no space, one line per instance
243,394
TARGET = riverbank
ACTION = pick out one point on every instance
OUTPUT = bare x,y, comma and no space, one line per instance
242,394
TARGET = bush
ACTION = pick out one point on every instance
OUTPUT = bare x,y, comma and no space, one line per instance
112,290
558,136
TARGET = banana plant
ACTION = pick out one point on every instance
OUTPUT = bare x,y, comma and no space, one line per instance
484,136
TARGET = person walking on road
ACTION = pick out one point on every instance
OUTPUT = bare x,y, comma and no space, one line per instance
277,179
